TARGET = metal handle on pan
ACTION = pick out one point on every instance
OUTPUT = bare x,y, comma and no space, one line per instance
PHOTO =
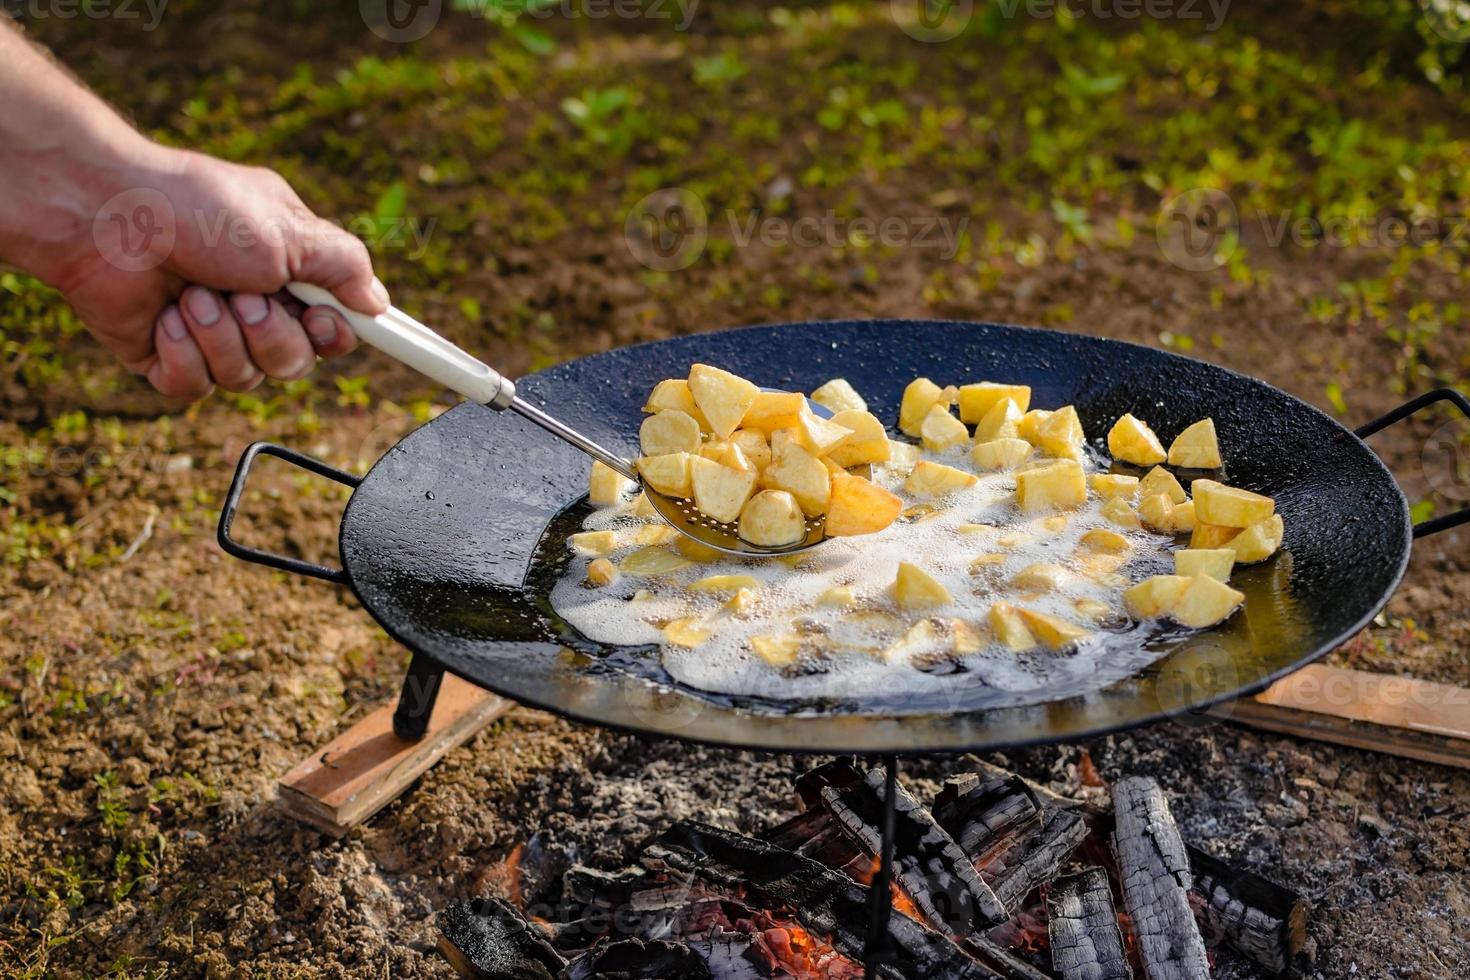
1436,524
232,502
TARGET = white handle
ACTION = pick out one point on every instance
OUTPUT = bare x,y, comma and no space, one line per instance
404,339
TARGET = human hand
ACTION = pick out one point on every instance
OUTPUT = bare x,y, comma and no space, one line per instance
180,274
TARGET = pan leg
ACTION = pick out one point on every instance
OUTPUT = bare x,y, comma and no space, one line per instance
416,700
879,948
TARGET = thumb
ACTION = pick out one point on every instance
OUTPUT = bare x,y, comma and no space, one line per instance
329,257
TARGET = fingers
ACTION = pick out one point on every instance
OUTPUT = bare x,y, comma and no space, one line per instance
179,369
220,339
329,332
331,258
277,343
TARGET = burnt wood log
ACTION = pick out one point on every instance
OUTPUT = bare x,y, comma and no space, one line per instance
987,816
839,774
487,939
607,889
927,863
828,904
1246,927
1154,869
1258,918
1082,926
1000,959
634,959
1035,859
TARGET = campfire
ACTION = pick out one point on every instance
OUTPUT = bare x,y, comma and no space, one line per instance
995,877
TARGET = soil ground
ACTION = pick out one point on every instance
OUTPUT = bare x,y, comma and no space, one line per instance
152,689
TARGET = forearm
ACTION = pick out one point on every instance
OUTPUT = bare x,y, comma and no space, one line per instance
63,152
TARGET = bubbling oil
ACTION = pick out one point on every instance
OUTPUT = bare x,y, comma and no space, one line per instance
975,542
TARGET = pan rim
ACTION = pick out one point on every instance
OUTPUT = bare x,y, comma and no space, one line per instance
816,747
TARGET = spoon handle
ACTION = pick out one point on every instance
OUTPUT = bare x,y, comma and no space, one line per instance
408,341
405,339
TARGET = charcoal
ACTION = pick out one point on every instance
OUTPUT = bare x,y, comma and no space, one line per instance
1258,918
635,959
839,774
608,889
824,902
1035,859
987,816
1154,869
928,864
487,939
1082,925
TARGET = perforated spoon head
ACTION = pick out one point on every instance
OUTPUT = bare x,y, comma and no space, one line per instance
724,537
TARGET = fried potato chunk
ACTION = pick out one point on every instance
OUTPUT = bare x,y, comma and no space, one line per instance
1060,434
722,397
601,573
1132,441
1003,421
914,588
1259,541
1120,512
668,474
941,430
1160,480
1196,447
869,442
1214,562
1110,485
1205,602
1056,485
977,400
857,506
669,431
1106,542
1154,596
720,492
800,474
820,436
1215,503
838,396
771,519
920,396
725,583
1054,631
931,479
753,444
1010,628
606,485
1000,454
595,543
778,651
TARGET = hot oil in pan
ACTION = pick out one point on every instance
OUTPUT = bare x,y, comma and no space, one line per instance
1184,666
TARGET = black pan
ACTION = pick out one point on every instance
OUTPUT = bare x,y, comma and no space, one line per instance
453,538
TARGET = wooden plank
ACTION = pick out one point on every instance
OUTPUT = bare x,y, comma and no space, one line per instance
1341,731
1364,710
1381,699
368,766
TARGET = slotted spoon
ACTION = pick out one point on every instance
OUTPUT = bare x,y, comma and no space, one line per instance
410,342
